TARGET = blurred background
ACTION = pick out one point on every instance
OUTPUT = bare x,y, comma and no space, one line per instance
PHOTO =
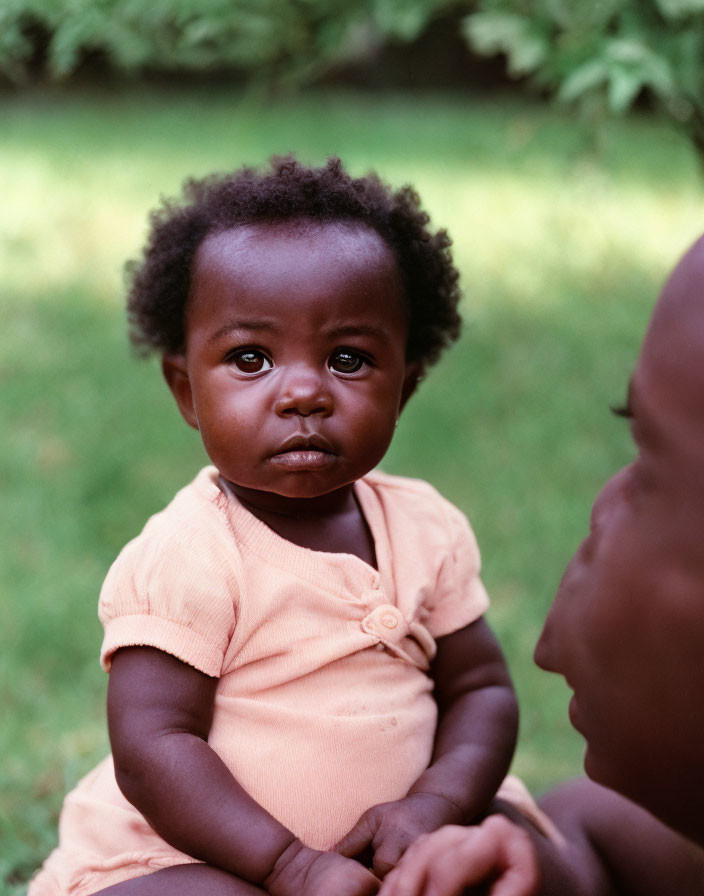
559,143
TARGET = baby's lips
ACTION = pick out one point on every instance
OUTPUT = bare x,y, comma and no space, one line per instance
305,442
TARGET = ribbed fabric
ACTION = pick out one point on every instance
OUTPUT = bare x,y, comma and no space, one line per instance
323,706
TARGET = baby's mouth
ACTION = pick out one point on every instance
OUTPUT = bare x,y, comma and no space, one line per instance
301,453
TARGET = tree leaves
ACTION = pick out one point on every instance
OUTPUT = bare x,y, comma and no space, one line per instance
604,54
274,40
524,42
623,69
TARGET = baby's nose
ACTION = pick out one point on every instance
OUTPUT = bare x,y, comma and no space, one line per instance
304,393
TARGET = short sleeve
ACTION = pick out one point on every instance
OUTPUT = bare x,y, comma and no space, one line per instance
175,592
460,597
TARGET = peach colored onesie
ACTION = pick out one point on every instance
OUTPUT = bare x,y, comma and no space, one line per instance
323,705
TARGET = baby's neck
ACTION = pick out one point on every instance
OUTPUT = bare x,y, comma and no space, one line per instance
262,503
333,522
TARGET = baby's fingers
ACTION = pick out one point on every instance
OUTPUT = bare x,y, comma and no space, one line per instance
388,852
359,838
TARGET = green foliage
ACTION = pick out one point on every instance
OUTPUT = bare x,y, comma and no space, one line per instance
404,20
275,36
275,40
601,55
604,54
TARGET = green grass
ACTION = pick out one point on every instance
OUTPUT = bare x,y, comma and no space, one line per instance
562,252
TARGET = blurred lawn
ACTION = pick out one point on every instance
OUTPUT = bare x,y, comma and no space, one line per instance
562,252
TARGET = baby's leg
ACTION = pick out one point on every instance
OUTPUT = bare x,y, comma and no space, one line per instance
184,880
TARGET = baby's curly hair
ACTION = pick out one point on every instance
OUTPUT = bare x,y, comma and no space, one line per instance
159,282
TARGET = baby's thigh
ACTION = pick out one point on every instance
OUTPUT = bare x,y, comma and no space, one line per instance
183,880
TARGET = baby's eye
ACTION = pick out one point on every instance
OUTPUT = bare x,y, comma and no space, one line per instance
344,360
250,360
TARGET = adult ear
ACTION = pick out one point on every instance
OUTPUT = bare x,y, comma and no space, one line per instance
410,381
176,375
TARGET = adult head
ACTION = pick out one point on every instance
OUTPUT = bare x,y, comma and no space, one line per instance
627,626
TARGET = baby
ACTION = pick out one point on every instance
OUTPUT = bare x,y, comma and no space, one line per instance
301,680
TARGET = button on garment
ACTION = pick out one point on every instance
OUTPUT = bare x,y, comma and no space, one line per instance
409,641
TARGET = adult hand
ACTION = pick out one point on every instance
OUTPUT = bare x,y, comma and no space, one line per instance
496,853
301,871
390,828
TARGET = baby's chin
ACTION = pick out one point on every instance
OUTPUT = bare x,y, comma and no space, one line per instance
296,488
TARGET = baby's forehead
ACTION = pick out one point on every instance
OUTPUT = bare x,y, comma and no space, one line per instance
343,270
286,251
294,235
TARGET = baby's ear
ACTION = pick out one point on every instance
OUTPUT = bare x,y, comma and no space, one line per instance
411,380
176,375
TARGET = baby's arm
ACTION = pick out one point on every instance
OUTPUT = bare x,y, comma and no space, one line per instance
477,721
474,743
159,715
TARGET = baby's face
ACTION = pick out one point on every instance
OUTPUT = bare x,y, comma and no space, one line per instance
295,368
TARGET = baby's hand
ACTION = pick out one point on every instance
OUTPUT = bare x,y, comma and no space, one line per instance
496,853
301,871
390,828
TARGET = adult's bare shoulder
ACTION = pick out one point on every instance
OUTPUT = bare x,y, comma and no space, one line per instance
621,848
